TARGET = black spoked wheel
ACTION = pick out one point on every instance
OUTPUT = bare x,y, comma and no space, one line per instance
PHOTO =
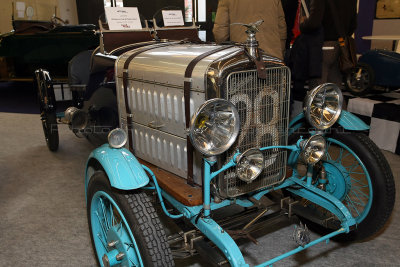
47,106
358,175
125,228
361,79
50,129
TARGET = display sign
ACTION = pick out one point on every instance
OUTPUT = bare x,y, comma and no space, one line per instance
123,18
172,18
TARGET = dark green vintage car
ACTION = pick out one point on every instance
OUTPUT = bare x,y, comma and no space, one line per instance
42,44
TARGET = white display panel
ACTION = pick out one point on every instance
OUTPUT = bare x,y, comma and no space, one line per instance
172,18
123,18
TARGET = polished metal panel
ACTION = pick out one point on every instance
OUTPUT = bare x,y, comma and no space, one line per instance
164,150
263,107
166,65
161,107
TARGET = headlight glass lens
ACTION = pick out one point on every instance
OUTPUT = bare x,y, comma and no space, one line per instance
117,138
250,164
323,105
313,149
214,127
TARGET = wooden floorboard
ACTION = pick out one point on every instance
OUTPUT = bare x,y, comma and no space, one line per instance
176,186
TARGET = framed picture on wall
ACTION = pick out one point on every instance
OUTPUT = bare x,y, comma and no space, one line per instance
388,9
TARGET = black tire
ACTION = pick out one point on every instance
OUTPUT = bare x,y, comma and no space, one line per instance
47,107
50,129
361,79
142,218
382,183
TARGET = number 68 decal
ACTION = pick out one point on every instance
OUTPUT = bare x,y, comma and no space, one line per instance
254,115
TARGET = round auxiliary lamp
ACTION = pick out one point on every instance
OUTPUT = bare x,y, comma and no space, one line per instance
250,165
313,149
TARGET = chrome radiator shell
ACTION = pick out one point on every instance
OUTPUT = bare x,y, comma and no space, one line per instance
263,107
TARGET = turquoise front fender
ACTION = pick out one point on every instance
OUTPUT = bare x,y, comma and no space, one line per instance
347,120
122,168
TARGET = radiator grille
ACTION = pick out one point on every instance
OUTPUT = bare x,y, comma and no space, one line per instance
263,107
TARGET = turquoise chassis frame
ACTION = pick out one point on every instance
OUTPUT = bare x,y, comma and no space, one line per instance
129,174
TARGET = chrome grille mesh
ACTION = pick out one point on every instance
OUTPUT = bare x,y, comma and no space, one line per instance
263,107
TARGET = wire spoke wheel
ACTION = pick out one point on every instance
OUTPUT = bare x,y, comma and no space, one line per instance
112,235
124,226
360,177
348,179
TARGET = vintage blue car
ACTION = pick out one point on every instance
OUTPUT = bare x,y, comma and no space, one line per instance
375,69
203,127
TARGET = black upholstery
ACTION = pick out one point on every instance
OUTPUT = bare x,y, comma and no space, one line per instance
79,68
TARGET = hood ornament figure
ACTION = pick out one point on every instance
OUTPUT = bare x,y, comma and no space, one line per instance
252,49
251,42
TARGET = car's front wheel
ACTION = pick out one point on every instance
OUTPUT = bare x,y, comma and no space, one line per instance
124,227
357,174
360,176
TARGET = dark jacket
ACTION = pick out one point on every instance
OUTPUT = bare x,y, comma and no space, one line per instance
347,16
306,54
290,10
316,9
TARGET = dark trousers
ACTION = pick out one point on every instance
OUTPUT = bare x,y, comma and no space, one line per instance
330,66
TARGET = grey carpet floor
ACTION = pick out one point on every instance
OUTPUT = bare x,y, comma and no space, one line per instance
43,212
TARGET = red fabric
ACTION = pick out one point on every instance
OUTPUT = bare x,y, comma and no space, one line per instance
296,27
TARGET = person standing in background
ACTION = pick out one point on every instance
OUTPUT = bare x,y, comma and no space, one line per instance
306,55
290,9
346,13
272,33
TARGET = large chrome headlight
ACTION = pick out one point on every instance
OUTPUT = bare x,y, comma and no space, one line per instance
214,127
313,149
250,164
323,105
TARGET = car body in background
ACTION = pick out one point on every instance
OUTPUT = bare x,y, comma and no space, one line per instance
42,44
376,69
